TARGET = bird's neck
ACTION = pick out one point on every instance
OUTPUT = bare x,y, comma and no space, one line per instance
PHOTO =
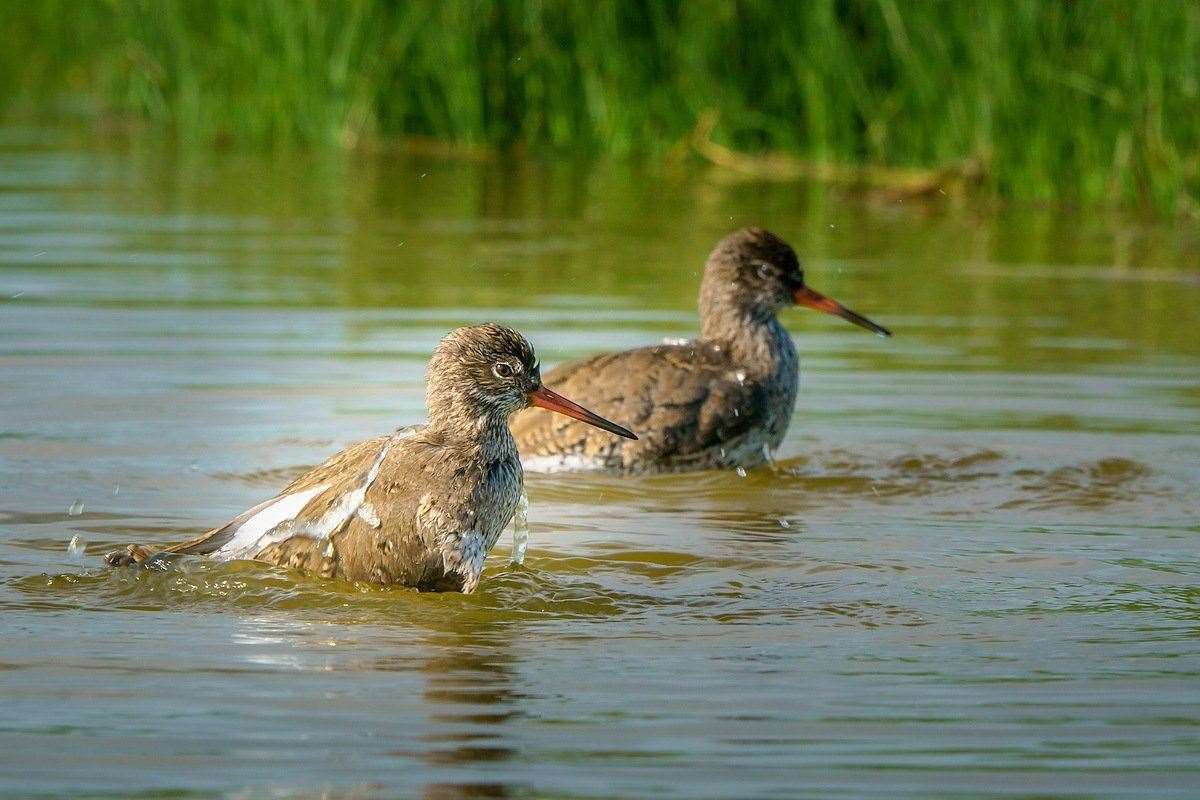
495,439
486,436
754,339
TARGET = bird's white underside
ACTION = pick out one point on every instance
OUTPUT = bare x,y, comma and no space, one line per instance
750,450
562,463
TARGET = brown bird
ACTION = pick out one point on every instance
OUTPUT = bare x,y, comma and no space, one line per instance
419,507
722,400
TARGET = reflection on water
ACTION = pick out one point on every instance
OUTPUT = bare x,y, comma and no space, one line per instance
970,571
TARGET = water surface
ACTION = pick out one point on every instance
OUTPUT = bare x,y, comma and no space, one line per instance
972,571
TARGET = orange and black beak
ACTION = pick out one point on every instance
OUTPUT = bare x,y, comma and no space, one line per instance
805,296
553,401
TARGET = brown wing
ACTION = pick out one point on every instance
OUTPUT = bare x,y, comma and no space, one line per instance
343,467
417,498
352,460
429,504
681,400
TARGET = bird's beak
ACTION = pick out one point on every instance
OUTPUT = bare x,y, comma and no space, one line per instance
552,401
805,296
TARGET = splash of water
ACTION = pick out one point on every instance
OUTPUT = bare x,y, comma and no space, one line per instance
520,526
76,549
76,508
161,561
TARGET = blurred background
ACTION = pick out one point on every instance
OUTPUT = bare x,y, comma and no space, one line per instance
232,231
1093,102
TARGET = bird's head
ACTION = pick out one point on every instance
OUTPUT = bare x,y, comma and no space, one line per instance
754,273
486,373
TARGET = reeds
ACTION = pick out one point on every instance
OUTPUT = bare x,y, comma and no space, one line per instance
1096,101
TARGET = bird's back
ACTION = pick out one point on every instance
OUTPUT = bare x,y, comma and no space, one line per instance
691,405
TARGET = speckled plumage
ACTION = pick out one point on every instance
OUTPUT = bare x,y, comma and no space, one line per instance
721,400
421,507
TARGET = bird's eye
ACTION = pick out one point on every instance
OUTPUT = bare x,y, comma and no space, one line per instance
503,369
763,270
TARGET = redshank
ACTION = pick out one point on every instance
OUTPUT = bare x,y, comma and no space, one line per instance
419,507
723,400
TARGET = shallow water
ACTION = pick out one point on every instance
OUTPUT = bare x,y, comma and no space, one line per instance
972,571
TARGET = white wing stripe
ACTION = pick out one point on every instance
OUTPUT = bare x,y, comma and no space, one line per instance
349,503
245,540
267,526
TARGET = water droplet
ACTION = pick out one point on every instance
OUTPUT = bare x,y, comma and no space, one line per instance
741,376
520,523
76,508
328,552
783,523
737,413
116,489
161,561
741,472
76,549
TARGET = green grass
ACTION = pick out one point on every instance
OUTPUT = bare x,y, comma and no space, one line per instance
1085,102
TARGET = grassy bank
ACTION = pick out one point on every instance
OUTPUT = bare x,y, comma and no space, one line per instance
1095,102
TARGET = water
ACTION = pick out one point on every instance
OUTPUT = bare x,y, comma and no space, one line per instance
971,570
520,531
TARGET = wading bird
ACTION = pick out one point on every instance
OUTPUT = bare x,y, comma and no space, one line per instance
420,507
722,400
